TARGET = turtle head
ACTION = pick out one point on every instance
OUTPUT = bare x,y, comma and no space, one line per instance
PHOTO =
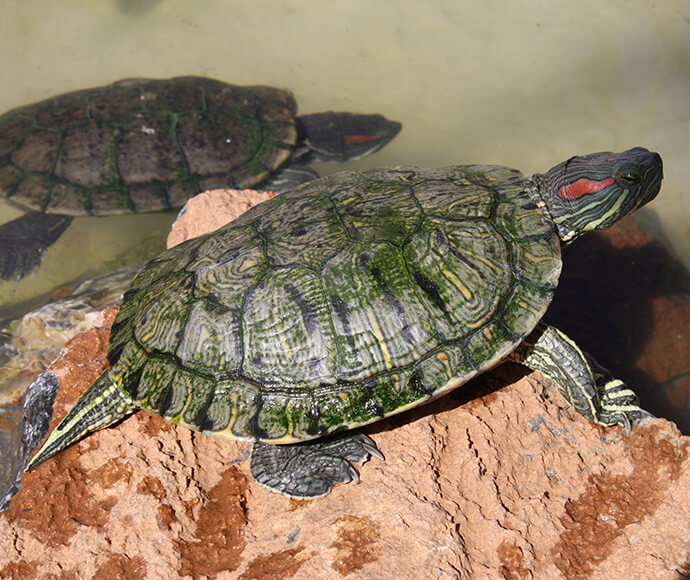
342,136
591,192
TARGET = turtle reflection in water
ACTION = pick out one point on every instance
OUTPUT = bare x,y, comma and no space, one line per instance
355,297
143,145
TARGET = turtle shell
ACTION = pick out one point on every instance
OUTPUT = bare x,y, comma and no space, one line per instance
343,301
142,145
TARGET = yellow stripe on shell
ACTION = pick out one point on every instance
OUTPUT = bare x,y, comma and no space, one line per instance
376,329
457,283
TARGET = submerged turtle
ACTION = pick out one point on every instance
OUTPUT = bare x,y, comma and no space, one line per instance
355,297
143,145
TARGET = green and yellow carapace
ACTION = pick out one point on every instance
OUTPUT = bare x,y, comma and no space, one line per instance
355,297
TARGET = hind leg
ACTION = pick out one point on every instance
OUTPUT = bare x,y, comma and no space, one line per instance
309,470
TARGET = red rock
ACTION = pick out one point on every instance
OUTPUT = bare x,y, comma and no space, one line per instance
499,479
207,212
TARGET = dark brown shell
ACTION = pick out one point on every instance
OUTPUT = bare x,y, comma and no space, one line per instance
142,145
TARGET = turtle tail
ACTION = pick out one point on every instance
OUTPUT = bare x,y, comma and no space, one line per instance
101,405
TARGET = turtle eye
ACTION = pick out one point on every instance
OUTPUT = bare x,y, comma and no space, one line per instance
629,175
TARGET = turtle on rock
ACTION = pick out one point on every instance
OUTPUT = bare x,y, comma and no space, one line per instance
142,145
355,297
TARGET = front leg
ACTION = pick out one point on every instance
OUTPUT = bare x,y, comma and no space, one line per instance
588,387
288,177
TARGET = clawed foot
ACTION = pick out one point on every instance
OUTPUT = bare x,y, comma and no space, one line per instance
309,470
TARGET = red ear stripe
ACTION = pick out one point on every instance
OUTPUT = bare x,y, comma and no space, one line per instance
582,187
358,138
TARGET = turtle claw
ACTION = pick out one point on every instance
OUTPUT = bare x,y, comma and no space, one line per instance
642,418
370,446
354,475
310,470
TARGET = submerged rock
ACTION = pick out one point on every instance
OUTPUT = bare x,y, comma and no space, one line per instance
30,343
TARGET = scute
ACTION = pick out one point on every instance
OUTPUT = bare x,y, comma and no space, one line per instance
318,310
163,313
288,335
302,232
211,341
380,322
377,207
456,261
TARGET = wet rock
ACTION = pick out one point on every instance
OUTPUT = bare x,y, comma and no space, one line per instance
499,479
32,342
26,433
10,444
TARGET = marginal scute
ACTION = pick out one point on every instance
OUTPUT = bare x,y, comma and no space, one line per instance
491,344
445,368
233,409
524,306
33,191
108,202
120,103
12,128
69,200
127,358
149,198
178,96
344,404
281,410
152,388
201,390
37,151
62,111
539,260
395,390
184,386
9,177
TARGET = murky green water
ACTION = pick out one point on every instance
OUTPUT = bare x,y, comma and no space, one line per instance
524,83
